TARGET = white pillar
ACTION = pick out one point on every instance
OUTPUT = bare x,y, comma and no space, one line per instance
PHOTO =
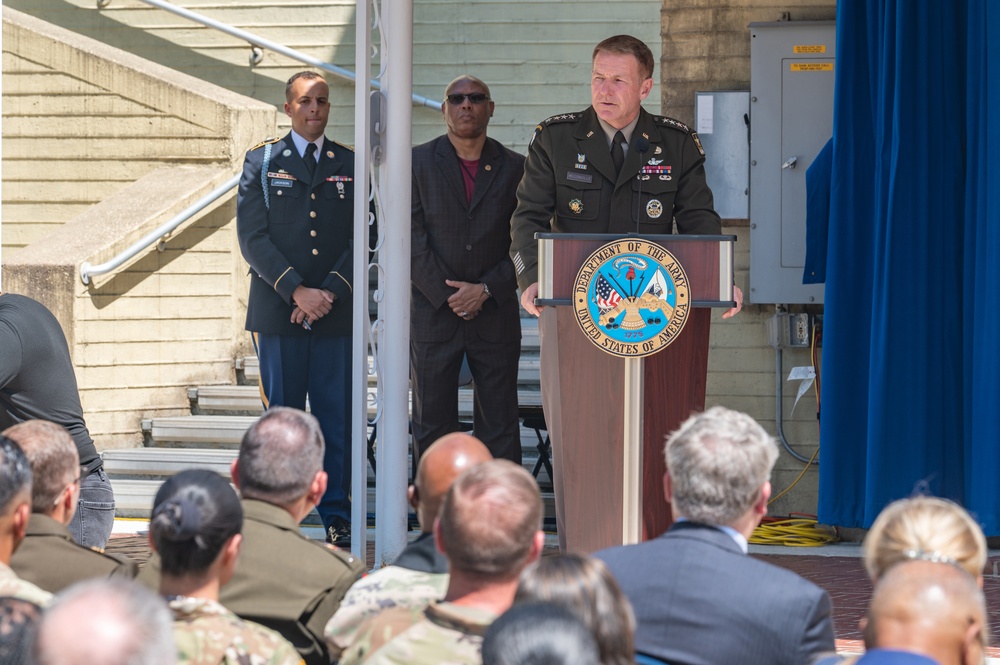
359,376
394,340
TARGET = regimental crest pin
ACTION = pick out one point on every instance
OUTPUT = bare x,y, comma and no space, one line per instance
576,206
658,150
580,157
286,153
631,298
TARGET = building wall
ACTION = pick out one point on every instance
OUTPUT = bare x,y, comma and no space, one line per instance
706,47
534,55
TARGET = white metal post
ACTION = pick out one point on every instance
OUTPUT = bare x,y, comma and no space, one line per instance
394,341
359,351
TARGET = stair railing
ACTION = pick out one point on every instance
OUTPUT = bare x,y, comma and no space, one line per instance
159,234
258,43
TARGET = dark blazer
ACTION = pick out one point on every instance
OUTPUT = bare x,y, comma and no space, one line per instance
699,600
284,581
48,558
453,239
304,237
570,185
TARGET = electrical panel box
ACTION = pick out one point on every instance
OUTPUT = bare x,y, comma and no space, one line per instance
791,119
721,120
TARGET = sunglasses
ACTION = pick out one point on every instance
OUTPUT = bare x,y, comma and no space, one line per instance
474,97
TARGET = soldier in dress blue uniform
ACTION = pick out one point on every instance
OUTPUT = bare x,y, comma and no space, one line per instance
294,219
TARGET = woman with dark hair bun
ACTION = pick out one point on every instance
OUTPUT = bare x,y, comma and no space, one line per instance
195,528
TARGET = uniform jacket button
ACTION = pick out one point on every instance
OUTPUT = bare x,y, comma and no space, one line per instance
315,252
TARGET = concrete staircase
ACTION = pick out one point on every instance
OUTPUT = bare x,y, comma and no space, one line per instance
209,438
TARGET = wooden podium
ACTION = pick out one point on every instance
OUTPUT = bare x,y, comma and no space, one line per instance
608,416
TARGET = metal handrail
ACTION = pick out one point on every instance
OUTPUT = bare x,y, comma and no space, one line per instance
260,42
87,271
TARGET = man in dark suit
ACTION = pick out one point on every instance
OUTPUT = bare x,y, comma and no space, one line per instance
48,556
698,598
294,219
464,295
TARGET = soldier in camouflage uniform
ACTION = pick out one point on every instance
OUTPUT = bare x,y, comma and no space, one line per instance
207,633
15,509
420,574
195,528
489,528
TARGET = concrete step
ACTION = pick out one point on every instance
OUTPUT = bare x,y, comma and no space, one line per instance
134,498
246,400
157,462
528,370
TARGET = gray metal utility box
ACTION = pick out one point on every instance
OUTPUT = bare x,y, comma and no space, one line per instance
791,119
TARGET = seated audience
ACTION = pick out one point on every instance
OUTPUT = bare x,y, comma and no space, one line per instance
18,618
926,613
37,382
110,622
583,585
195,528
489,529
420,573
15,511
540,634
924,527
285,581
49,557
697,596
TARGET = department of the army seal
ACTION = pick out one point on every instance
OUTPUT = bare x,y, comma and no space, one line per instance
631,298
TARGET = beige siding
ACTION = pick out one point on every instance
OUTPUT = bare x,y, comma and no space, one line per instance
535,56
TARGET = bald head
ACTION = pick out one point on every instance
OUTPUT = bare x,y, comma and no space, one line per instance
935,609
439,466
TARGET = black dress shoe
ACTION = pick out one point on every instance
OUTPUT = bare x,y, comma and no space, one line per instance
339,533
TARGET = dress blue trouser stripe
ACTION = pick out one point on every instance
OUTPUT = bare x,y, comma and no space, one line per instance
292,368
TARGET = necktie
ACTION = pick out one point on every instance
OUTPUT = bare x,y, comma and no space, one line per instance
618,151
310,160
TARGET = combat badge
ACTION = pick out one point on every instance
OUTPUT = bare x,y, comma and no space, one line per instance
654,209
576,206
631,298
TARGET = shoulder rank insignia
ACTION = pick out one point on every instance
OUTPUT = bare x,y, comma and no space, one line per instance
670,122
562,117
270,139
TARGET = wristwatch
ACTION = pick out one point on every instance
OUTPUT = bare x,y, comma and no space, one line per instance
486,290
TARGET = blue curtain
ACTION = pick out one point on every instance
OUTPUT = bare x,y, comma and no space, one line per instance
911,359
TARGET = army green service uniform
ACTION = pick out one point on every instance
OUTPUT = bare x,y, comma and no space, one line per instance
14,587
387,588
49,558
283,581
206,633
440,633
569,184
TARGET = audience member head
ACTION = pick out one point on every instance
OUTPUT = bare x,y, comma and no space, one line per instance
18,619
924,527
15,497
539,634
719,467
440,464
281,460
489,523
934,609
55,467
111,622
583,585
195,526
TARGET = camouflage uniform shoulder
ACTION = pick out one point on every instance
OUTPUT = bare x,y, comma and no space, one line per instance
664,121
379,630
270,139
206,633
13,586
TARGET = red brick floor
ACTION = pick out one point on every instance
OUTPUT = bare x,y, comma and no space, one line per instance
845,579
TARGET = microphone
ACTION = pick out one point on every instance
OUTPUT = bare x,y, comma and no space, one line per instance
641,146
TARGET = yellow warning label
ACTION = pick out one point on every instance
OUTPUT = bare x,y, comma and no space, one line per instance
812,66
809,48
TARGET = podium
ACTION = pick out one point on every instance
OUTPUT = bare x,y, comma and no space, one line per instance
608,416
